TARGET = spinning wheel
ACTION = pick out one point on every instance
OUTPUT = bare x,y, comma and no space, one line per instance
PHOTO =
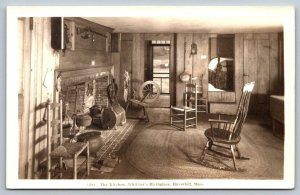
149,91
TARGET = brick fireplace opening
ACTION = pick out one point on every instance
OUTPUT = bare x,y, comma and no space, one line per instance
77,86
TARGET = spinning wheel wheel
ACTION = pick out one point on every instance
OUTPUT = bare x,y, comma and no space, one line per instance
149,91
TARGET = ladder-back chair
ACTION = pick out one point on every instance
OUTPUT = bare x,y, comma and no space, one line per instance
185,116
229,133
202,104
58,148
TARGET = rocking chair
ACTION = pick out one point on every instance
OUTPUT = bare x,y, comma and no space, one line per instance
229,133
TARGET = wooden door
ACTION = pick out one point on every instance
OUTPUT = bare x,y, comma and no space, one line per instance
256,68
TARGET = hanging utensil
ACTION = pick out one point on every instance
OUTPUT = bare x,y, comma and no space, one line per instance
184,76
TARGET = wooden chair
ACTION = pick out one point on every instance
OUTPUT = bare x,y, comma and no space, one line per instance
229,133
185,116
63,149
202,104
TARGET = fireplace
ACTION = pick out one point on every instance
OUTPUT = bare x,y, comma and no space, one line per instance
80,85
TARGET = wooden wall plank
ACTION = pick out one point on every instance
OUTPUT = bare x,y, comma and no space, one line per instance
126,36
280,64
239,65
250,69
126,56
126,63
250,61
201,60
197,69
179,68
32,101
38,91
188,57
117,67
263,50
23,149
257,52
21,35
49,63
142,59
274,63
115,42
172,67
138,62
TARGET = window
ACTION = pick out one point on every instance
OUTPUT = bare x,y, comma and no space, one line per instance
161,65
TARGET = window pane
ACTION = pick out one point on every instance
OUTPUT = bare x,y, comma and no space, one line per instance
161,56
161,59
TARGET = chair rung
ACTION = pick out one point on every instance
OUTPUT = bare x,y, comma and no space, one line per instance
177,109
177,121
176,117
190,118
191,100
177,114
191,110
190,125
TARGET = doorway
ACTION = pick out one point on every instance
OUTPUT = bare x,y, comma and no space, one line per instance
158,58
